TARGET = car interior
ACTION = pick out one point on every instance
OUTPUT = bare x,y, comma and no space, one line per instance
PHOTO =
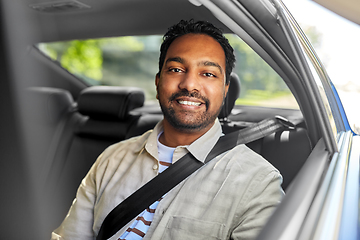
77,131
71,121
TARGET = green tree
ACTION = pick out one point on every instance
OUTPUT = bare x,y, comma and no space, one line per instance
85,57
254,73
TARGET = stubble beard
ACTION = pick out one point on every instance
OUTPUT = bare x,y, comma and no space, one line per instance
198,122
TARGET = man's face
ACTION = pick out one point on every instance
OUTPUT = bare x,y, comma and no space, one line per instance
191,85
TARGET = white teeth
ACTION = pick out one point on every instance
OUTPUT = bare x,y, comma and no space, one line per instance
190,103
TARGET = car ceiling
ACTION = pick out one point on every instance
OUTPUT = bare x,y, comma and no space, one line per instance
349,9
56,20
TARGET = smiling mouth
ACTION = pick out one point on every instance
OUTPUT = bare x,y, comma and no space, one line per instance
189,99
189,103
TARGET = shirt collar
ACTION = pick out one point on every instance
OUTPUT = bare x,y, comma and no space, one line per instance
200,148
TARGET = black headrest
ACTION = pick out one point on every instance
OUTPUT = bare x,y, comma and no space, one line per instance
233,94
107,102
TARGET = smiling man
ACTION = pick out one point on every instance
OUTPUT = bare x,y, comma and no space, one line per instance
231,197
191,88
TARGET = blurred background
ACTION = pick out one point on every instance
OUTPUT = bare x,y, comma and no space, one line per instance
336,41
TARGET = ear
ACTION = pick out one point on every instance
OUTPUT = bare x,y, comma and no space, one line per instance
157,79
226,89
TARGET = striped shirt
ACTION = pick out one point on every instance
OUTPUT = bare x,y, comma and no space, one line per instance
142,223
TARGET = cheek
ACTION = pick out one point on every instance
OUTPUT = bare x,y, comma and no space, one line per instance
166,88
216,95
162,92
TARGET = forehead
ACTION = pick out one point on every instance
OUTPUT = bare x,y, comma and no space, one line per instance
196,47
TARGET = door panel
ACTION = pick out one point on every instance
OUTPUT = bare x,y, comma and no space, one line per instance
287,220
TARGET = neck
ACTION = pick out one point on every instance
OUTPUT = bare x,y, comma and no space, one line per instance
173,137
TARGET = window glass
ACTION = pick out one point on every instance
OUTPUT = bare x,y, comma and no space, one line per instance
133,61
322,84
121,61
260,84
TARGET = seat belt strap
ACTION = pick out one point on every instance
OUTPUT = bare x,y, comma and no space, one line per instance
179,171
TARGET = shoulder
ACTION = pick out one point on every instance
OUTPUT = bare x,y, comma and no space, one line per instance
246,157
257,175
252,167
246,168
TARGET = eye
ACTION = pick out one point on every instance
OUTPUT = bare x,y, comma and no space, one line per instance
209,75
176,70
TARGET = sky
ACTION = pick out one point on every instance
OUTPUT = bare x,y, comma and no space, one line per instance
340,48
339,51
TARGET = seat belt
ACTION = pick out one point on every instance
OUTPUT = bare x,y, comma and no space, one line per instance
181,169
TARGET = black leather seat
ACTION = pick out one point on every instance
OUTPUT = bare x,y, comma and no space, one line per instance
287,150
106,112
72,135
233,94
76,134
104,117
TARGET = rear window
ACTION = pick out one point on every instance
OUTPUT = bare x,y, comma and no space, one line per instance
133,61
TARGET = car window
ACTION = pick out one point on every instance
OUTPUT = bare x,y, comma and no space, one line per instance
133,61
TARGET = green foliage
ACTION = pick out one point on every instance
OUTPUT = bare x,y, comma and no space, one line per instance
133,61
132,44
80,57
85,57
267,98
254,73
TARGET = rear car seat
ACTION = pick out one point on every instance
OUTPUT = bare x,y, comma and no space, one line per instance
230,99
76,134
105,117
287,150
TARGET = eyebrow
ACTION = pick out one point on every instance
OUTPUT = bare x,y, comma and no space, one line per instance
204,63
212,64
175,59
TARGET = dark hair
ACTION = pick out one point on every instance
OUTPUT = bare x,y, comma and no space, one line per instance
199,27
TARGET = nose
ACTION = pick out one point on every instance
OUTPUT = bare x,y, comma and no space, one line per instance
190,81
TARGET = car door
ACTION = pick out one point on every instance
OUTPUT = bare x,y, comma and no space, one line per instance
331,213
320,200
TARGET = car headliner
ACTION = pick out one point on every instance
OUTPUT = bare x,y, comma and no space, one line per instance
349,9
58,20
73,19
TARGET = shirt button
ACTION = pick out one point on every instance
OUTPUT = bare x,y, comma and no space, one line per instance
155,167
